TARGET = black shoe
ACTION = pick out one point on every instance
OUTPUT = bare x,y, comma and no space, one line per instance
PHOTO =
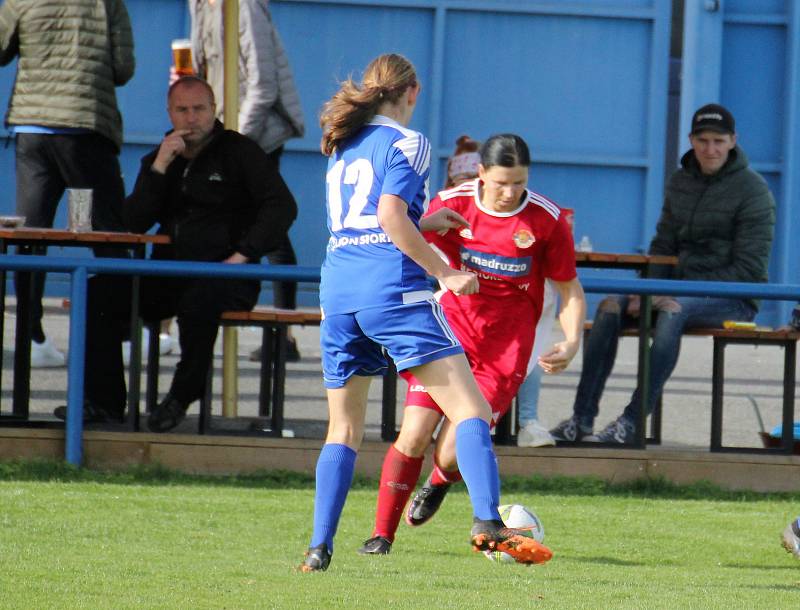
620,431
167,414
377,545
92,414
317,559
292,353
425,503
570,430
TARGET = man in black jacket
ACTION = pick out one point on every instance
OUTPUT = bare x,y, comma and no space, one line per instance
215,194
718,220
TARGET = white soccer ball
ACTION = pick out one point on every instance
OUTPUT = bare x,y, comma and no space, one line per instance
521,518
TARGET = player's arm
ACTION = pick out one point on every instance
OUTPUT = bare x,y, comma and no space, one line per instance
571,317
442,220
393,219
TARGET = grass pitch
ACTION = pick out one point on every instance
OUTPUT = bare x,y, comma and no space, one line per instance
149,538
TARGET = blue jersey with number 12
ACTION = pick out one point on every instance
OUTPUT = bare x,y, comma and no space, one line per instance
362,267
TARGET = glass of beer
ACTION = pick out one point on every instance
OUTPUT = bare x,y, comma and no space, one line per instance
182,56
79,210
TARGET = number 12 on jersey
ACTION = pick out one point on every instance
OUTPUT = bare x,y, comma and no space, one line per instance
360,175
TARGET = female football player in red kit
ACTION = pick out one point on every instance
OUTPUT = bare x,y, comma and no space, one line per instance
516,240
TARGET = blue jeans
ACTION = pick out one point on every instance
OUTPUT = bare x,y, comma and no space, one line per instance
600,349
528,396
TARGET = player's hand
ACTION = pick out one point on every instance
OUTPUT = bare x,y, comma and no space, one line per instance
460,283
442,220
171,146
559,357
236,259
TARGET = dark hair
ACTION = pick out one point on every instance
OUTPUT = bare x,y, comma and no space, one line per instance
505,150
191,81
386,79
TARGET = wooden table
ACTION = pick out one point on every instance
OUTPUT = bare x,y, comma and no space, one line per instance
28,239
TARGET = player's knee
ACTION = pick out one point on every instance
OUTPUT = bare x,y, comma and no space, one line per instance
412,444
670,306
609,305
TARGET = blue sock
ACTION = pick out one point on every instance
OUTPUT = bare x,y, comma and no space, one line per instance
335,467
478,466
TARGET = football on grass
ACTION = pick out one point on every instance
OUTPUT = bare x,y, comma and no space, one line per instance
521,518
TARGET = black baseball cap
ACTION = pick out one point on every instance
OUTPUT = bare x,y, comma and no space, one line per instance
713,117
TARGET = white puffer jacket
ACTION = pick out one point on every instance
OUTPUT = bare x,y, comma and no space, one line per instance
269,106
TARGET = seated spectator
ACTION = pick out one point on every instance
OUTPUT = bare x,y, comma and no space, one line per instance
718,219
213,192
269,106
531,432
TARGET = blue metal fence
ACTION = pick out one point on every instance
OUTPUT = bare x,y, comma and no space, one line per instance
79,268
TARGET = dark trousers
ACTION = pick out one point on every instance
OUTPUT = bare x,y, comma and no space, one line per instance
197,303
284,293
47,164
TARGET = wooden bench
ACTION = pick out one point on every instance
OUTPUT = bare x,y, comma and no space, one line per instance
274,323
722,338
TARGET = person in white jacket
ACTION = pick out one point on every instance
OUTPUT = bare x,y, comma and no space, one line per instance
269,106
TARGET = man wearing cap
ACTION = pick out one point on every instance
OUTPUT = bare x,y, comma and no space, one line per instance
718,219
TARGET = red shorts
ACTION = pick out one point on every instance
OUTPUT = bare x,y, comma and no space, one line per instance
498,345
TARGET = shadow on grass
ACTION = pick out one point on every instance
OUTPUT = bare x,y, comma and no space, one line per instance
780,587
53,470
750,566
609,561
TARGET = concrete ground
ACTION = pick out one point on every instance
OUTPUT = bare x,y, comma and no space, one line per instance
753,381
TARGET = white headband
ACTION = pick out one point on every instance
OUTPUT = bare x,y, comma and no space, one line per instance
465,163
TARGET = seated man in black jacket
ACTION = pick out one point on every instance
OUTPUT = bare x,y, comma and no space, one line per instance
216,195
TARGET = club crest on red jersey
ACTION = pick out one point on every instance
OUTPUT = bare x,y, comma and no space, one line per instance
466,233
524,238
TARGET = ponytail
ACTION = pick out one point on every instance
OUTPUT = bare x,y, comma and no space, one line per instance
386,79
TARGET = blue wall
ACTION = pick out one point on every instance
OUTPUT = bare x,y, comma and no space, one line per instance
584,82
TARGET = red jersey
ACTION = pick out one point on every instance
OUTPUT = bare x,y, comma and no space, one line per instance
512,253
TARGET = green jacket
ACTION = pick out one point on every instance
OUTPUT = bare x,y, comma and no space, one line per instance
72,53
720,227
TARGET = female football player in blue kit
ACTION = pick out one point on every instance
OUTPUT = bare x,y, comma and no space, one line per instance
374,293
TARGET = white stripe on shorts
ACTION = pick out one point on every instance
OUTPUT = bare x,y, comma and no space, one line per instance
438,313
416,296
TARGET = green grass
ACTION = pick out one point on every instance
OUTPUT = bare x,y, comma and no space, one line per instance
149,538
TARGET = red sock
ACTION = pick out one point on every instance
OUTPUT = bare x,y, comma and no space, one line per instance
444,477
398,477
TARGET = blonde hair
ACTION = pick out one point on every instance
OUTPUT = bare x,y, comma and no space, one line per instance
386,79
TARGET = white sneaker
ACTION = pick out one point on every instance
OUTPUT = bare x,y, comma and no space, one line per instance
45,355
533,434
165,346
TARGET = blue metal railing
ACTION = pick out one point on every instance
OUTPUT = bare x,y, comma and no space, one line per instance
80,268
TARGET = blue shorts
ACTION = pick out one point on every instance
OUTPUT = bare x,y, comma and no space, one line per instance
412,334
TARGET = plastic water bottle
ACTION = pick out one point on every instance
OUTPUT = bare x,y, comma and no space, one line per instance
585,245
